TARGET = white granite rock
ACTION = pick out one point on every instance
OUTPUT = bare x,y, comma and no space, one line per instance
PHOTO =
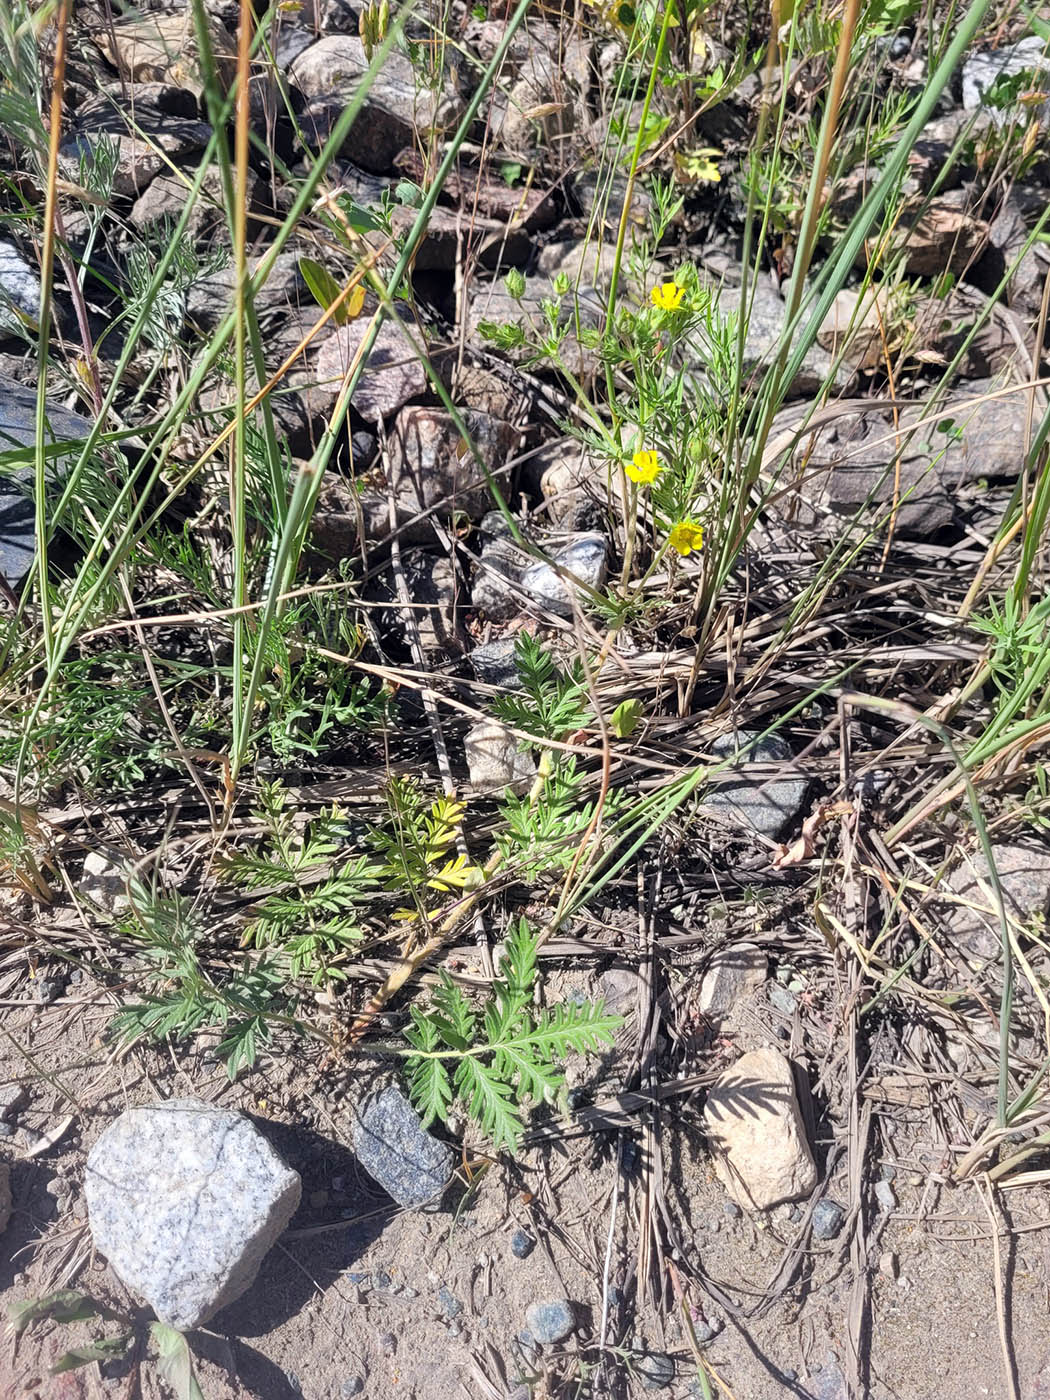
755,1127
731,975
184,1200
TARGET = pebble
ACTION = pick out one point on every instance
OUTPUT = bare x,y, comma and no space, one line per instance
781,999
353,1385
551,1321
450,1305
381,1280
294,1383
731,1209
901,46
12,1098
706,1331
521,1244
656,1370
885,1197
827,1219
47,990
388,1343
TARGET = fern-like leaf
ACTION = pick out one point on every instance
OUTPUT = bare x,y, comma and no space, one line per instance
489,1101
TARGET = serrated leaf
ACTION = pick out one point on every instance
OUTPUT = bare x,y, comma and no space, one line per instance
105,1349
489,1102
430,1089
174,1361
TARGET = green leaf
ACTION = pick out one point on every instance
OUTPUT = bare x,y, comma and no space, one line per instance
430,1089
66,1305
174,1361
625,718
490,1102
323,287
359,219
105,1349
511,171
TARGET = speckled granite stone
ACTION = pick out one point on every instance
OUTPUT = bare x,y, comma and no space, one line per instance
394,1149
184,1200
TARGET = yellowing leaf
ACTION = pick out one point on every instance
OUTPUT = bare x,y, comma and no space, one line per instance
625,718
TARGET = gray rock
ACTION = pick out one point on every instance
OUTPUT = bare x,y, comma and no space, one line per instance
104,883
885,1197
430,473
12,1097
208,300
18,430
521,1244
580,309
329,74
585,557
166,198
494,758
732,974
828,1382
139,159
550,1322
434,588
392,373
763,801
982,70
493,663
1024,874
5,1195
655,1370
19,291
351,1386
782,999
828,1216
184,1200
450,1304
410,1165
574,486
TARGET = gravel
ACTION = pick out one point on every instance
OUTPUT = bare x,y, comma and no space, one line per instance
551,1321
827,1219
521,1244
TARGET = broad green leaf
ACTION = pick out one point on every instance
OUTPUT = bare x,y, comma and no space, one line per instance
105,1349
625,718
325,290
174,1361
67,1305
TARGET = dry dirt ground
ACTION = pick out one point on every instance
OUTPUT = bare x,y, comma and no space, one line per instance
428,1305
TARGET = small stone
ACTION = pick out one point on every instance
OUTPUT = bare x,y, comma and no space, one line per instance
450,1305
585,558
392,374
12,1097
103,882
411,1166
60,1188
706,1331
889,1265
388,1343
521,1244
656,1370
382,1280
184,1200
756,1130
19,291
732,974
294,1383
764,801
731,1209
550,1322
828,1216
351,1386
47,990
1024,874
494,758
781,999
885,1197
901,46
493,663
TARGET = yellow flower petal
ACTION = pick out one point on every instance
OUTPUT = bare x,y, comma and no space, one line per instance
686,536
644,467
667,296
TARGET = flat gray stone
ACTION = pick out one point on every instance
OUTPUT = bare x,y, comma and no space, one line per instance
550,1322
392,374
184,1200
763,801
18,430
394,1149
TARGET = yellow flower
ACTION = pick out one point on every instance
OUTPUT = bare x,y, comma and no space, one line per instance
644,467
686,536
668,296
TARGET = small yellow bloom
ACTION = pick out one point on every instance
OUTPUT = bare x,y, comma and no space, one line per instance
686,536
644,467
668,296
